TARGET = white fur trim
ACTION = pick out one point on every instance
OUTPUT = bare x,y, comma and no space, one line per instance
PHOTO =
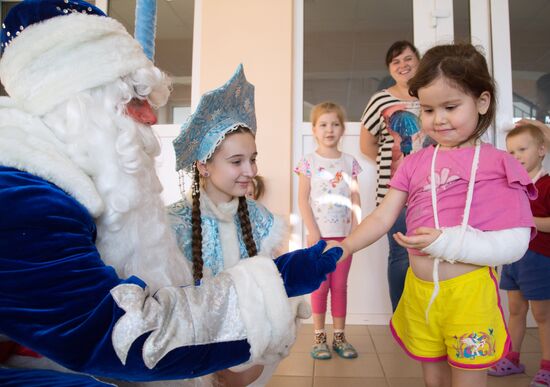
276,239
230,243
227,228
28,145
59,57
265,309
223,212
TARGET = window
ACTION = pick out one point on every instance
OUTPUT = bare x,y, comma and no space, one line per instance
173,49
530,47
461,21
345,45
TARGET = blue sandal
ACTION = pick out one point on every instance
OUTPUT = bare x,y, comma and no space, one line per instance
321,351
344,349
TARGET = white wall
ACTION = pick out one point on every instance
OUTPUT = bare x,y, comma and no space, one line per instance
166,163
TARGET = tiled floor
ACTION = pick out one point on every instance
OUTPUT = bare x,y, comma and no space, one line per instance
381,363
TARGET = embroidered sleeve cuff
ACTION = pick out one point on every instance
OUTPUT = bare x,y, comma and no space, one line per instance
176,317
274,240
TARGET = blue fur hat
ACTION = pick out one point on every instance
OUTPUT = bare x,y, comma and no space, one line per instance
30,12
54,49
219,112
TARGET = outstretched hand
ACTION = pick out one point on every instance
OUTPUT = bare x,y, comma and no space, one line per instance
304,270
345,252
423,237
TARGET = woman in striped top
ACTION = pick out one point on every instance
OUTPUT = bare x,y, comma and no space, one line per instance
390,131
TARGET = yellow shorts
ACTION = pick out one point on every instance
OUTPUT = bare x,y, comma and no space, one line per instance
465,325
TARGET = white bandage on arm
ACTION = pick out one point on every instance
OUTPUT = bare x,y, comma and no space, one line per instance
484,248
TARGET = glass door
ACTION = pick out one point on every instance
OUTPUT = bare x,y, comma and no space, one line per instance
339,55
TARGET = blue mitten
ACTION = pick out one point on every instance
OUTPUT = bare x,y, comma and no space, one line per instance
304,270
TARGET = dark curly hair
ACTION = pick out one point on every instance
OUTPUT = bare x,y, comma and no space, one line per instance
397,48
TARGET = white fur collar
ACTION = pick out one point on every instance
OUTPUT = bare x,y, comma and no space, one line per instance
223,212
27,144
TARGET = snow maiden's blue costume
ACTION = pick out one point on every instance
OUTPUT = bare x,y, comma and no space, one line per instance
226,231
60,296
219,113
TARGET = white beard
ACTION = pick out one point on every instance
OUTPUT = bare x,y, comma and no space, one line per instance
134,235
89,137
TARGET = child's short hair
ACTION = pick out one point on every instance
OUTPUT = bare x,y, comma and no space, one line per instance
535,133
466,68
327,107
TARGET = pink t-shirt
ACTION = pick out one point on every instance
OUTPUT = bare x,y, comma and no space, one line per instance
501,192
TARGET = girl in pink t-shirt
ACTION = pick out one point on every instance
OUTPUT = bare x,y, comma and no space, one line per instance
329,203
468,211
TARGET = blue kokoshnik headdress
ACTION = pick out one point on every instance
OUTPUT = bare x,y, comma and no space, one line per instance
219,112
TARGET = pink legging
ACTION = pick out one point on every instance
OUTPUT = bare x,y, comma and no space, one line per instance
337,282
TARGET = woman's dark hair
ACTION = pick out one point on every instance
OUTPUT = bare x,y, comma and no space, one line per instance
196,227
397,48
463,66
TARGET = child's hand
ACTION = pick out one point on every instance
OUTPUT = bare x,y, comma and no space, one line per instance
345,250
423,237
313,238
331,244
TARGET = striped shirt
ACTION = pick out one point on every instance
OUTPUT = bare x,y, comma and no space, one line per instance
376,119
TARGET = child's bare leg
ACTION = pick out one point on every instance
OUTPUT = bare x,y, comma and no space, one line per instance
519,307
436,374
319,321
339,322
468,378
541,313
